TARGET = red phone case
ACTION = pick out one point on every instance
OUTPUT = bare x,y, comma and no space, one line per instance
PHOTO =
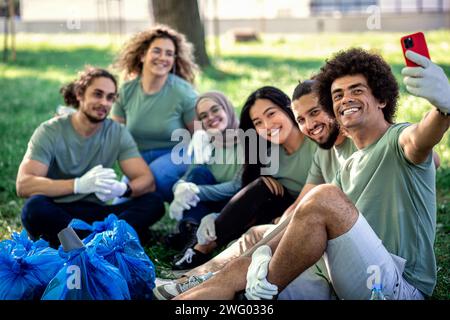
419,45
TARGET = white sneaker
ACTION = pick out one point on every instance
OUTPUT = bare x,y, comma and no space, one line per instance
161,281
170,290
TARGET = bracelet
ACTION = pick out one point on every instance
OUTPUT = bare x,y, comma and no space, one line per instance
443,113
128,192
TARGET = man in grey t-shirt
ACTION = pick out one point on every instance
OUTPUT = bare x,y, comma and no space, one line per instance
67,170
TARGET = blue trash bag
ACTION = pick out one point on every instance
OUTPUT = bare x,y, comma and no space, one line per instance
29,245
26,267
97,226
123,250
86,276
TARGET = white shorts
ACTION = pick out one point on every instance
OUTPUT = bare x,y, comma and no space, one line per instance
354,261
313,284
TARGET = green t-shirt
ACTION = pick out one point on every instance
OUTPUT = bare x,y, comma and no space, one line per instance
151,118
398,199
69,155
227,162
326,163
293,168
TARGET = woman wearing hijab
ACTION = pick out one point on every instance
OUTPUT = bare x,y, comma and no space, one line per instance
208,185
264,196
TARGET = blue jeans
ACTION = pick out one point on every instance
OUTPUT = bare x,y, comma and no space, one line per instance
165,172
42,217
200,176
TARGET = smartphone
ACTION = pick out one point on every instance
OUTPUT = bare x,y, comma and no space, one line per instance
414,42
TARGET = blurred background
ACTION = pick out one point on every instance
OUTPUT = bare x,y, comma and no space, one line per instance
240,45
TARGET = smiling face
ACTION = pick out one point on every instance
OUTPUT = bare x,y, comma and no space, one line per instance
353,102
212,115
270,121
314,122
160,57
97,100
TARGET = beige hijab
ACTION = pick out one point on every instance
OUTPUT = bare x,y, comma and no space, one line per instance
228,136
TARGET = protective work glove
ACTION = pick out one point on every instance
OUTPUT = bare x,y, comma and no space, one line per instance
206,232
116,188
97,179
258,287
184,197
428,81
201,147
175,211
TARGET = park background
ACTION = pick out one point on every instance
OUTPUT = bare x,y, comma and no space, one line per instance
245,44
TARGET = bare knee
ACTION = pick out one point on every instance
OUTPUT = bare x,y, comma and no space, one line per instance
327,204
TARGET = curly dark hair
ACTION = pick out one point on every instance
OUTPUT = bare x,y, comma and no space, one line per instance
84,80
375,70
129,58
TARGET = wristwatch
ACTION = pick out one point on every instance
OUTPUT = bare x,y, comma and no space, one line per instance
128,192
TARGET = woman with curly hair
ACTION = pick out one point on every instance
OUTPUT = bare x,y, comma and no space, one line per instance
159,99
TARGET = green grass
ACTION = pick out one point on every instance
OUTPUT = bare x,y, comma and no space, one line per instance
29,95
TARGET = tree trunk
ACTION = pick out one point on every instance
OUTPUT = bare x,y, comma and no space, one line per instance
12,28
184,16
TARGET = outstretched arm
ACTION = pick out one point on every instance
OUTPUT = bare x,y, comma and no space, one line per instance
430,82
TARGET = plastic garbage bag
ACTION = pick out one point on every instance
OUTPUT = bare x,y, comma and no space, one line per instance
85,275
98,226
26,267
122,249
29,245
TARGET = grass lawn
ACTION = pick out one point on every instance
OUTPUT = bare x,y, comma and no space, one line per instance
29,95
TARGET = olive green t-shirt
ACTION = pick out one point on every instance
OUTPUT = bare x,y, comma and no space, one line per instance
227,162
326,162
69,155
293,168
151,118
398,199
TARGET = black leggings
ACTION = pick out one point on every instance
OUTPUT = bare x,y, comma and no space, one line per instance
253,205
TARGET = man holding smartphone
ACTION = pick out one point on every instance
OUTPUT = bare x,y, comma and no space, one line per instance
376,223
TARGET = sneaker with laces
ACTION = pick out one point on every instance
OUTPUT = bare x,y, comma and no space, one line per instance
169,291
190,259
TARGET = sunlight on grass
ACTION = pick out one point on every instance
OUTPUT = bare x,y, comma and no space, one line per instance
29,94
50,74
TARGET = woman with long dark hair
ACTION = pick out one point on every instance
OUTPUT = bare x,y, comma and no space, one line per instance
272,178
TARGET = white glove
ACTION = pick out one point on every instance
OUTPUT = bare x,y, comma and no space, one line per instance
116,188
186,194
97,179
184,197
258,287
206,232
176,211
201,147
428,81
